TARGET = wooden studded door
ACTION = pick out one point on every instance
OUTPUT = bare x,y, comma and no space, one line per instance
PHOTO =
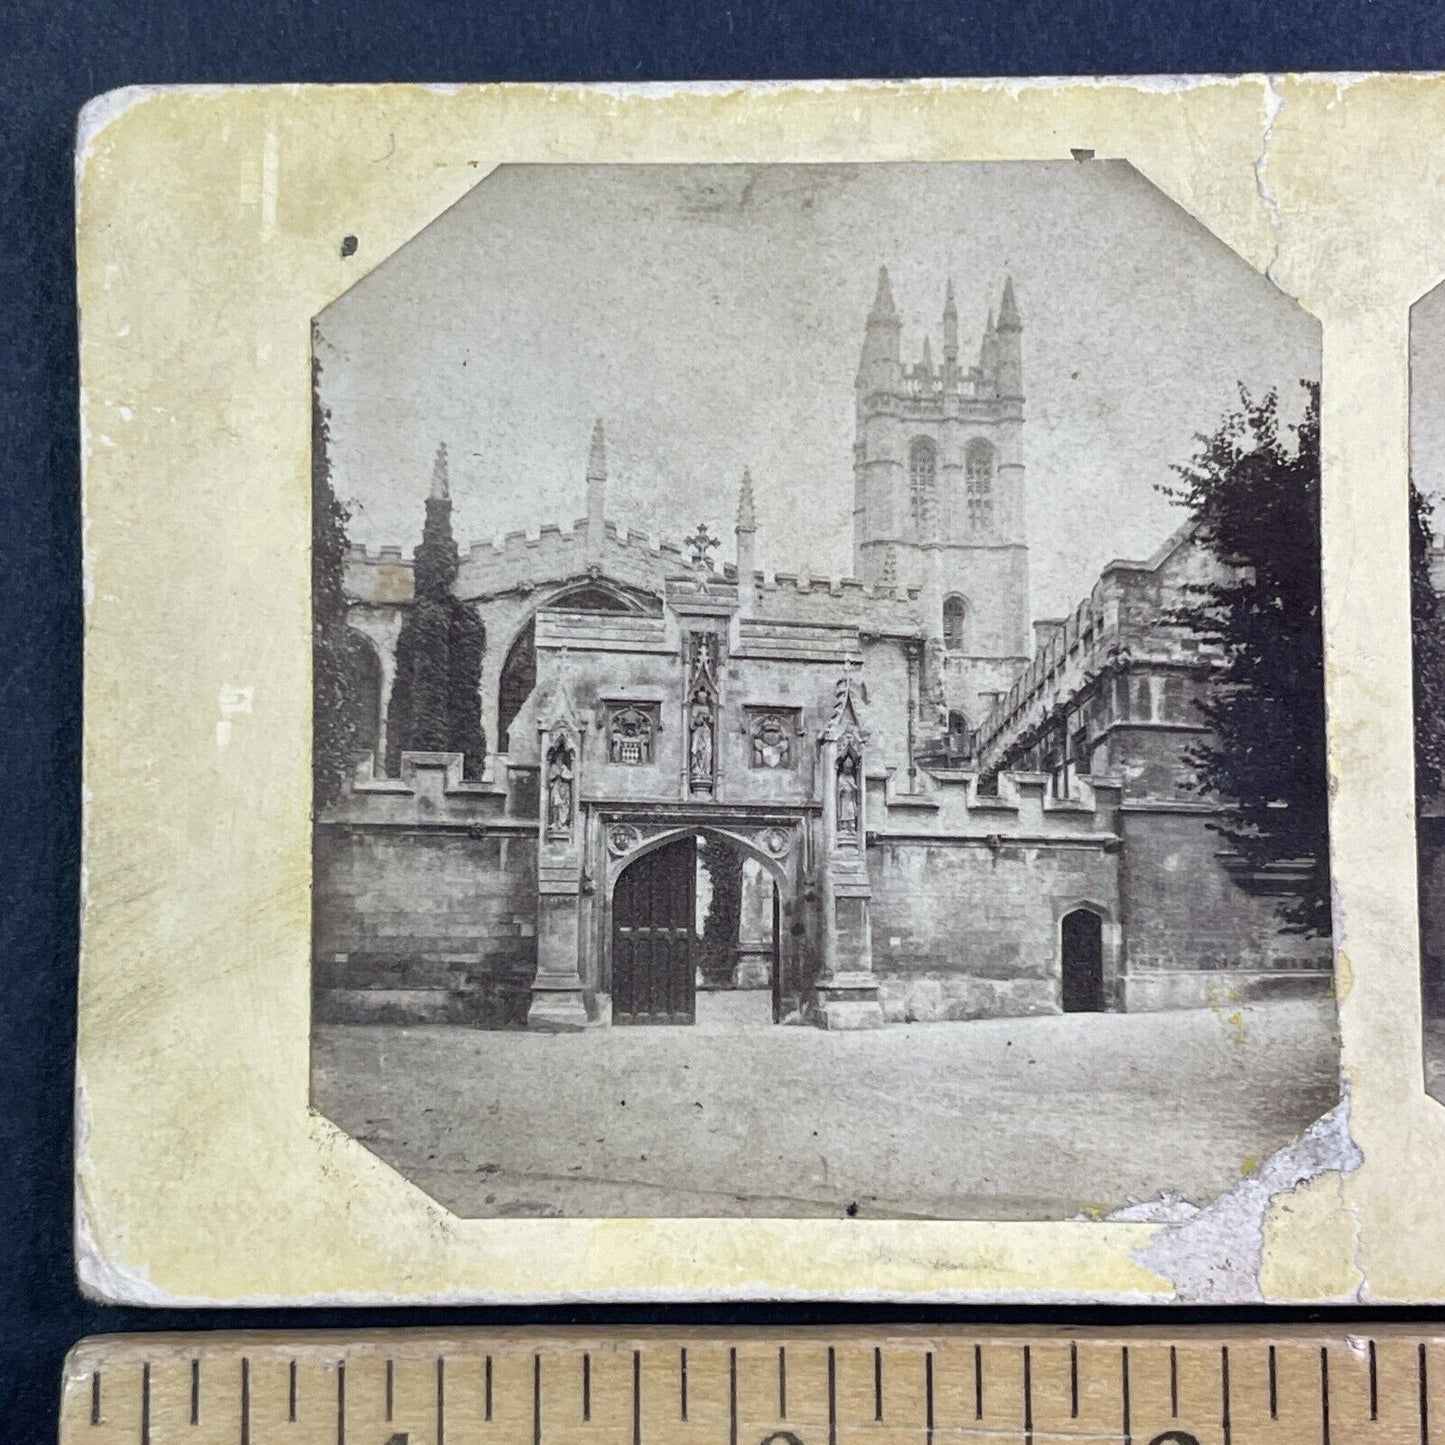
653,907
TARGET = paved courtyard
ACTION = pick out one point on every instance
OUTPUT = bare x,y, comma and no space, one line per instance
1039,1118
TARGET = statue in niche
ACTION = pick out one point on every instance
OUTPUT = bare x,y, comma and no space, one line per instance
702,713
559,790
848,793
701,750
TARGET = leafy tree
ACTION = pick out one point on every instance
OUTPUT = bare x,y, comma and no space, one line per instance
334,703
1427,626
435,704
1254,494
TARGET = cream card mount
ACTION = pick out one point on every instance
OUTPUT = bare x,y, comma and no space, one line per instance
759,692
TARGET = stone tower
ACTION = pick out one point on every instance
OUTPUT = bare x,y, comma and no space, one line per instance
938,498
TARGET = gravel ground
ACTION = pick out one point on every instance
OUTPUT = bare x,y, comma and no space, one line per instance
1038,1118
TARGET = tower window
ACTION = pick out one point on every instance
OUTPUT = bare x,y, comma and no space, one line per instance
922,480
955,613
978,484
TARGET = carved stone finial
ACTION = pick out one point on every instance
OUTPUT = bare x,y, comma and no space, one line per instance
700,547
440,481
747,517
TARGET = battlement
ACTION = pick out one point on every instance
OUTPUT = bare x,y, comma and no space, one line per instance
527,559
1023,809
1123,620
431,791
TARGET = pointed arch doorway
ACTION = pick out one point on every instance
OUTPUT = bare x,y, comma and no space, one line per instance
695,913
1082,958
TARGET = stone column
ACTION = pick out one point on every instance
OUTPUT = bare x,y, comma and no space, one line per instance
846,995
558,1003
388,678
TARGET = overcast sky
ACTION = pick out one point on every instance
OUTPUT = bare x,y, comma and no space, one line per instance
712,315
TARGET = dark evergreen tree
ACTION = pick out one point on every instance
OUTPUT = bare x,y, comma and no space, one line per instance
1427,626
724,865
1254,494
334,664
435,703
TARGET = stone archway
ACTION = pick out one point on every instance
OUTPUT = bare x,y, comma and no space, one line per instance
656,902
518,675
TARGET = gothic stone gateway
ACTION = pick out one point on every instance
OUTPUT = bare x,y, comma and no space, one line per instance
958,814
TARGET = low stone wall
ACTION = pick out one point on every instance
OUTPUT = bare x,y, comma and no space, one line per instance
969,927
423,905
1194,934
929,998
411,988
1153,992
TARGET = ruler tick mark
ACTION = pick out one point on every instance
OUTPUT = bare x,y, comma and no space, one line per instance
1374,1385
1173,1383
291,1394
1324,1395
390,1387
733,1396
637,1397
1028,1396
145,1405
877,1383
1124,1395
586,1386
95,1397
487,1391
1224,1392
536,1400
782,1383
832,1398
245,1401
1273,1387
1073,1381
928,1395
441,1401
682,1379
978,1382
341,1403
1422,1371
195,1392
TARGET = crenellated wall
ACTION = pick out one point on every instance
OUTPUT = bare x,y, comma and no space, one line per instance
969,891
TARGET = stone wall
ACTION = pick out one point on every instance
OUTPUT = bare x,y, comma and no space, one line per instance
423,927
967,928
424,901
1193,934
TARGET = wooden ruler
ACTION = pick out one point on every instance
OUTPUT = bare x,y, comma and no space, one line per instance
916,1386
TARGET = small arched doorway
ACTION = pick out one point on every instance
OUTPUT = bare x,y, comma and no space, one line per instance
1082,954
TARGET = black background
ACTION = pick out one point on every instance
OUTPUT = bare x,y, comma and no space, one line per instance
53,57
